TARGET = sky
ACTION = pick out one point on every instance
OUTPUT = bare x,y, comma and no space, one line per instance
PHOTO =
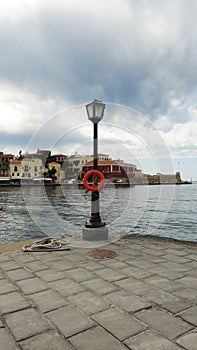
138,56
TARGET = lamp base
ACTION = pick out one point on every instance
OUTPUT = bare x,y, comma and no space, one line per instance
95,233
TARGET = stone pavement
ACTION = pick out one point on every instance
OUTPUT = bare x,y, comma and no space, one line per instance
143,299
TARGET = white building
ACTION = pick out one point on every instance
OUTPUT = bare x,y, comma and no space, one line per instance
31,168
76,162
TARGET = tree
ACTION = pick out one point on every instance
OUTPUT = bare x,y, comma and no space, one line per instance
51,174
20,156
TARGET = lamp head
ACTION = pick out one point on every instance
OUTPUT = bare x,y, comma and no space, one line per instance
95,111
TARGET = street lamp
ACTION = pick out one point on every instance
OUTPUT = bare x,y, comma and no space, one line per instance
95,228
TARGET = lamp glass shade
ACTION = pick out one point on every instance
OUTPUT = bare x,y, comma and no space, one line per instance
95,111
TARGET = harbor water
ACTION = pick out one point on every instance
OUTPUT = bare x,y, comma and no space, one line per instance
160,210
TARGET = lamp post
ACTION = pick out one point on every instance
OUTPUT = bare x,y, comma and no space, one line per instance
95,229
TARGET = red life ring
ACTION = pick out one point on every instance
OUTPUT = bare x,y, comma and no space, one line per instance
93,188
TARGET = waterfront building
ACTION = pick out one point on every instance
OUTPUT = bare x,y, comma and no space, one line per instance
15,170
57,158
5,164
116,170
32,168
75,163
164,178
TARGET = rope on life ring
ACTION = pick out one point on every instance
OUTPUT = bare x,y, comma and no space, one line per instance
94,188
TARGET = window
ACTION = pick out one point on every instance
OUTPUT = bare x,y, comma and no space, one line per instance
12,174
18,174
35,168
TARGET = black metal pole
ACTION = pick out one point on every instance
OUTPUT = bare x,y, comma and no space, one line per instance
95,219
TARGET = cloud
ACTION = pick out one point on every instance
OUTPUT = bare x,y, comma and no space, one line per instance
132,54
22,111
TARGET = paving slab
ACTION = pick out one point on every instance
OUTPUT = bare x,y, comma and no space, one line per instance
66,287
164,323
171,275
23,257
128,301
188,294
164,283
88,302
188,341
4,257
19,274
36,265
7,342
99,286
96,339
190,315
118,323
69,320
135,286
61,265
46,341
110,275
150,340
80,274
32,285
189,281
50,275
136,272
47,300
6,286
168,301
26,323
176,258
11,302
114,264
2,275
92,265
10,265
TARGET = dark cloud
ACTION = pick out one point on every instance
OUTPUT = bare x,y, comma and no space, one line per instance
8,142
142,58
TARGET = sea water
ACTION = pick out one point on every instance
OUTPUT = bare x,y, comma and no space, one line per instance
159,210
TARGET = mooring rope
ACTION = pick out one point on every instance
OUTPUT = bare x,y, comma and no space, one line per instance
47,244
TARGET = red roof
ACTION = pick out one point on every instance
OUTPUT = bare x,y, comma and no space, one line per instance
58,155
16,161
6,155
109,162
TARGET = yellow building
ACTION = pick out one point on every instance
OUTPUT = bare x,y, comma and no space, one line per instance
15,170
